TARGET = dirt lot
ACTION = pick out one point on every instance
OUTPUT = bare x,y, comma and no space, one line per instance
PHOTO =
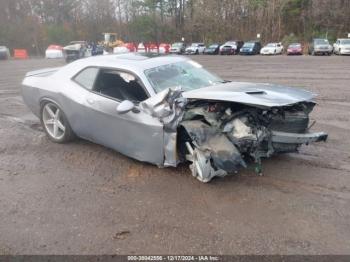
82,198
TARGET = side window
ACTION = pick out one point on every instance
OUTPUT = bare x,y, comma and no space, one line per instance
86,78
120,85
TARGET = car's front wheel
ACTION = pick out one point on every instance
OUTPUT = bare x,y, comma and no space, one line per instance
55,123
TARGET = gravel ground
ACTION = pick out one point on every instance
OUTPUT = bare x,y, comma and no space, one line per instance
82,198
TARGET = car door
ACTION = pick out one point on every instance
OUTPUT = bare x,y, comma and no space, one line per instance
134,134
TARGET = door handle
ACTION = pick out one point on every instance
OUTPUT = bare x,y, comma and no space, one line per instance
90,100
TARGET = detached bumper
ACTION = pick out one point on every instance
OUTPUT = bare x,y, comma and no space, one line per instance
293,138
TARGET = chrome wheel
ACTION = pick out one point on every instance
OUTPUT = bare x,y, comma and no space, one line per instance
53,121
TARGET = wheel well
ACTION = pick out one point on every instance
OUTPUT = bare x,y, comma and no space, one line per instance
44,101
182,138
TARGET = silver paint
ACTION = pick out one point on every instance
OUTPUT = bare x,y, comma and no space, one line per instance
148,133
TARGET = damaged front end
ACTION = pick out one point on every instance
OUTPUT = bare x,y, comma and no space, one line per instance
221,137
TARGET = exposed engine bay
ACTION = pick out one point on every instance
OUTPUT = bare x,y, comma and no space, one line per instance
221,138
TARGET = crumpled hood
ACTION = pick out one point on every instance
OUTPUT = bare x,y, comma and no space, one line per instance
255,94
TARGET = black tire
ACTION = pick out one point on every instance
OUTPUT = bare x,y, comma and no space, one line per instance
68,134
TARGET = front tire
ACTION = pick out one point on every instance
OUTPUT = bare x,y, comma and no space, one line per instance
55,123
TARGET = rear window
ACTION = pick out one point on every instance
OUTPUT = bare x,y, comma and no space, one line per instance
86,78
321,42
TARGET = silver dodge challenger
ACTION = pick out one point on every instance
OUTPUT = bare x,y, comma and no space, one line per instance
168,109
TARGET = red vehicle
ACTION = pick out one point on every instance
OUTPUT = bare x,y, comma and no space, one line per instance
130,46
152,48
164,48
295,49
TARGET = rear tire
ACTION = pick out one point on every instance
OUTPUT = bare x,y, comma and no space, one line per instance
55,123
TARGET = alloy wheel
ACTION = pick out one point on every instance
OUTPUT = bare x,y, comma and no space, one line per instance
53,121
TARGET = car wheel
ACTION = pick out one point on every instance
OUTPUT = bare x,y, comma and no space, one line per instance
55,123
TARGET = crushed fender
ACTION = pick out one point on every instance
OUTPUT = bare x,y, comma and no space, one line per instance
219,138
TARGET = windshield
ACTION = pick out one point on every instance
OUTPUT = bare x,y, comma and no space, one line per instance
188,75
345,42
195,44
271,45
176,45
321,42
248,45
231,43
213,46
295,45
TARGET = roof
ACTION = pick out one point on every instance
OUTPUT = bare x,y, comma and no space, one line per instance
128,61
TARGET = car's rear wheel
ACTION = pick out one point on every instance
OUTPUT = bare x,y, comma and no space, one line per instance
55,123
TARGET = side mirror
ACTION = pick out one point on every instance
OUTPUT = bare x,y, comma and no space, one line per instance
125,107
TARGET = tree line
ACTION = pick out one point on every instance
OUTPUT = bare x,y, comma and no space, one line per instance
34,24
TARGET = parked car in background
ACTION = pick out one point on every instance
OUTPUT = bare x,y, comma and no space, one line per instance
320,46
295,49
250,48
231,47
272,49
54,51
212,49
124,48
164,48
141,48
178,48
342,47
152,47
4,53
75,50
195,49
